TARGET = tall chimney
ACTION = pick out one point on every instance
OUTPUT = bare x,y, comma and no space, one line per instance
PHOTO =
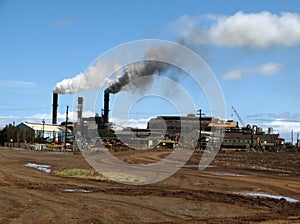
54,108
79,112
106,107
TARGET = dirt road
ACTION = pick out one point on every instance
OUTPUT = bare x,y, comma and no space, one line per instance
218,194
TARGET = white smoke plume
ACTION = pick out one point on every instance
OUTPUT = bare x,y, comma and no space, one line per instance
267,69
253,30
89,79
147,68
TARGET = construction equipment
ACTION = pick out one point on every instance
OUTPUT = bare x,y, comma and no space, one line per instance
238,116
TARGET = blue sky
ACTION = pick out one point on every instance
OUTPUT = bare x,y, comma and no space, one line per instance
44,42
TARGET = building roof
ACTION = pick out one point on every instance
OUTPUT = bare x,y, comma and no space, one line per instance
181,118
46,128
224,124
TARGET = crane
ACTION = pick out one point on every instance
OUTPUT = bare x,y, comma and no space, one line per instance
238,116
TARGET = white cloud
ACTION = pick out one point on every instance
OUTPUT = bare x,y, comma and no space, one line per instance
62,23
235,74
72,116
267,69
15,83
282,123
254,30
284,128
123,123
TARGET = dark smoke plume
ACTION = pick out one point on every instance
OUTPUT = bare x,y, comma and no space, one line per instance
132,72
147,68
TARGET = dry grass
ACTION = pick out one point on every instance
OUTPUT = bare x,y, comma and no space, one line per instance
94,175
81,173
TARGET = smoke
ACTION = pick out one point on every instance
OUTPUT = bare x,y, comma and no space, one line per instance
89,79
146,68
253,30
132,72
92,78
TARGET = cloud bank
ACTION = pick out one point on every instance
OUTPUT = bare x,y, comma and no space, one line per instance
253,30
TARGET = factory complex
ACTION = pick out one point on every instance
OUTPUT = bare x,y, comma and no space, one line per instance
161,131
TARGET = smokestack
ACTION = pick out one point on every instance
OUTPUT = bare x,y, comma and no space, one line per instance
106,107
54,108
79,112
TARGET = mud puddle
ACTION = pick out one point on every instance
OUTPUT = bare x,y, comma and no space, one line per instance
225,174
45,168
279,197
76,191
264,195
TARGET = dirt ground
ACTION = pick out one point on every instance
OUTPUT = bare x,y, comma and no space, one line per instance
217,194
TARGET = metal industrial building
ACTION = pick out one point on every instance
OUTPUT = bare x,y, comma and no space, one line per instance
41,131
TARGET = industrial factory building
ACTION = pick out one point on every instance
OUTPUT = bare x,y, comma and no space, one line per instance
234,136
161,130
42,132
168,129
248,137
176,124
33,132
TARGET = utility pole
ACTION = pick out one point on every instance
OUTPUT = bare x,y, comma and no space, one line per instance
43,121
292,136
66,126
14,134
251,143
298,140
200,127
